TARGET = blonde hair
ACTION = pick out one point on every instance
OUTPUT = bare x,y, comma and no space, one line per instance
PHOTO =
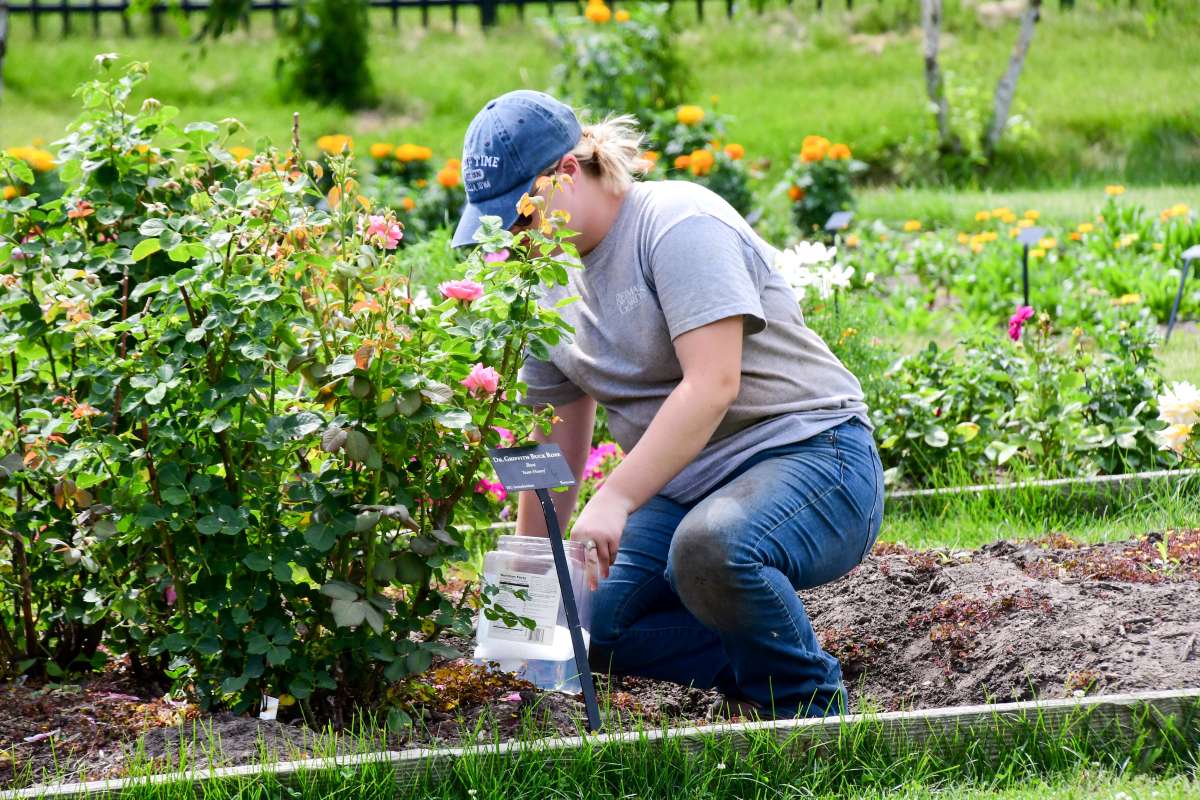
611,151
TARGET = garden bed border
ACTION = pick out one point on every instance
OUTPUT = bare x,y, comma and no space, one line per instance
990,723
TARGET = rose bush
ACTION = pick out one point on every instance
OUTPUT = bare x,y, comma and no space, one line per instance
241,452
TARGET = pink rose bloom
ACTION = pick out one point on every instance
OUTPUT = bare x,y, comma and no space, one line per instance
169,594
499,255
482,379
466,291
1017,321
505,434
382,233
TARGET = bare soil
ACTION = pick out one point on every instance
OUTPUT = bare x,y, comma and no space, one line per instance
913,629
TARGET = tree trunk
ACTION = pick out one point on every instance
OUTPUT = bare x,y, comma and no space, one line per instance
3,41
1006,89
931,21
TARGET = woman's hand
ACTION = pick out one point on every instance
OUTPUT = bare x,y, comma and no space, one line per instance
601,524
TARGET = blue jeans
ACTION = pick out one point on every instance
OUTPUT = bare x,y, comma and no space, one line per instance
704,593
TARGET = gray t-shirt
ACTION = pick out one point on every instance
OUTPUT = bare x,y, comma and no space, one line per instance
677,257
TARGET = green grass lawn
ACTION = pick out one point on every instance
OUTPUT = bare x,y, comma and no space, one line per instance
1105,89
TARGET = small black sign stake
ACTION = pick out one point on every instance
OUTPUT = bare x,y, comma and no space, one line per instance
543,467
1028,237
1189,255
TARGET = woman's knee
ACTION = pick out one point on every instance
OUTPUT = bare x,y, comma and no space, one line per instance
706,568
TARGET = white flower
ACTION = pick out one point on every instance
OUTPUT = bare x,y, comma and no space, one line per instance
1180,404
721,765
869,278
840,276
1174,437
422,300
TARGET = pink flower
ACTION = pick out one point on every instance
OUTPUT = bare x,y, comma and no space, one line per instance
499,255
169,594
494,488
513,697
1017,321
482,379
382,233
505,434
466,291
594,467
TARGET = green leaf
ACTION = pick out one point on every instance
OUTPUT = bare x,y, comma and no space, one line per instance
234,685
410,568
398,721
357,445
456,419
340,590
156,395
209,524
320,537
144,248
347,614
257,562
966,430
176,495
419,661
342,365
937,437
408,403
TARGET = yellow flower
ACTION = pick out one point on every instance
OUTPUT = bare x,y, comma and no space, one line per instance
408,152
1008,218
622,15
701,162
240,153
689,115
1075,236
598,13
38,160
1002,211
1025,223
912,225
1129,299
852,240
1048,242
9,192
1157,246
1114,189
735,151
1085,227
963,238
1177,210
381,150
839,152
683,162
1031,214
983,216
988,236
976,247
1014,233
1037,252
334,143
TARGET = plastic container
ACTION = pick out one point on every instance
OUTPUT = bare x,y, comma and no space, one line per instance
543,656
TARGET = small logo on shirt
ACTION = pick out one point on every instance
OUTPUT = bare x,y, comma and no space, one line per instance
629,299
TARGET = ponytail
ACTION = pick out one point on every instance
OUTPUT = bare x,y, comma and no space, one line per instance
611,151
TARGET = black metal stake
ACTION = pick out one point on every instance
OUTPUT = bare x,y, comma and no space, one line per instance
1187,268
1025,272
568,595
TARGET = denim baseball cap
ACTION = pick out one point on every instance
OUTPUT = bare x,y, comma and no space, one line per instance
512,139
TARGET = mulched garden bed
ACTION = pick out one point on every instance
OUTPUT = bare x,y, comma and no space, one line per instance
913,629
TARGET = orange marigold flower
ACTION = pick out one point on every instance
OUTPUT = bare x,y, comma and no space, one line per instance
683,162
454,164
598,13
689,115
912,225
839,151
735,151
240,153
622,15
448,177
9,192
701,162
381,150
334,143
651,156
408,203
795,194
811,153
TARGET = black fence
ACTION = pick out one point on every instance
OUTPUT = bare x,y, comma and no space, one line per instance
67,11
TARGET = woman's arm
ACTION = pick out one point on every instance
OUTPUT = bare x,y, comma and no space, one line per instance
711,358
574,436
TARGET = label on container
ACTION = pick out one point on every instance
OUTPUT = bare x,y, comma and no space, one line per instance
540,605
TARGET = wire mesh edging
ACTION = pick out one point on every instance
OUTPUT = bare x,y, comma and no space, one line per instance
1118,720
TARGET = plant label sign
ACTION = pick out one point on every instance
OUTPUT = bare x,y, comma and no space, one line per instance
538,466
1031,236
1192,253
839,220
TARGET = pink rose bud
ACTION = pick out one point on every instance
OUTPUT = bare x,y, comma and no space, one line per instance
499,255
